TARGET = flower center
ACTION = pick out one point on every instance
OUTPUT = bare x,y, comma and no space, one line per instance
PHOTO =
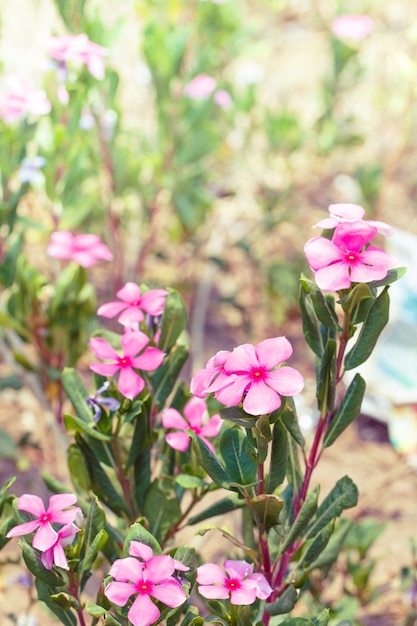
144,588
232,584
124,361
45,518
258,374
135,303
351,257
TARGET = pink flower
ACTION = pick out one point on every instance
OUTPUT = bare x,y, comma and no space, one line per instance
55,554
145,553
200,87
134,304
223,99
213,371
256,380
351,213
352,26
130,384
348,257
154,578
21,99
78,49
56,513
195,411
239,583
85,249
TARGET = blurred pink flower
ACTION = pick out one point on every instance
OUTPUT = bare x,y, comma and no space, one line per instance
260,379
195,412
348,257
212,373
200,87
134,304
154,578
346,212
84,249
239,583
355,27
80,50
130,384
22,99
223,99
56,513
55,554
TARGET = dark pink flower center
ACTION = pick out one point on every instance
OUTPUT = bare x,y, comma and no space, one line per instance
124,361
45,518
257,374
135,303
232,584
144,587
196,429
351,257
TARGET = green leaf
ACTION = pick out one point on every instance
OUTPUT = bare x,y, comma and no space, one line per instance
322,619
289,418
294,473
394,274
310,321
165,377
137,532
344,495
77,393
73,423
305,515
240,465
333,549
187,481
285,603
317,546
34,564
65,601
263,435
348,410
297,621
94,537
372,327
209,462
279,455
267,507
230,503
323,306
326,379
67,617
359,293
173,321
161,507
237,415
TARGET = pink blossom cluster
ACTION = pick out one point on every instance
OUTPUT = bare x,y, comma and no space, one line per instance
348,257
49,539
254,375
21,99
239,583
196,419
145,576
202,86
84,249
79,50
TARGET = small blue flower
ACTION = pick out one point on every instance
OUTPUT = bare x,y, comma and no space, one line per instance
29,170
97,402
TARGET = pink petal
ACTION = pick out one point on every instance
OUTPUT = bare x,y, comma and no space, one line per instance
131,315
270,352
129,293
347,211
159,567
334,277
23,529
143,611
60,501
47,558
111,309
382,227
153,301
221,381
286,381
149,360
85,258
105,369
378,258
129,383
60,559
231,395
171,418
242,359
243,595
134,342
141,550
65,517
102,349
263,588
320,252
45,537
261,399
170,593
31,504
361,273
194,411
327,223
213,592
210,573
178,441
119,592
201,380
353,236
127,569
213,426
238,569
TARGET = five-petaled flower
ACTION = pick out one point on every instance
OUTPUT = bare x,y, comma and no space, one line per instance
78,49
195,413
256,375
239,583
346,212
144,580
97,401
84,249
213,372
21,99
133,304
347,258
58,512
55,554
129,382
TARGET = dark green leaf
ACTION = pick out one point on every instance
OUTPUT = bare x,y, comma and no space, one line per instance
323,306
322,619
173,321
238,416
73,423
161,507
347,412
326,380
333,549
372,327
67,617
317,546
289,418
344,495
267,507
240,465
230,503
297,621
34,565
394,274
279,454
165,377
305,515
285,603
137,532
77,393
294,473
311,324
209,462
359,293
